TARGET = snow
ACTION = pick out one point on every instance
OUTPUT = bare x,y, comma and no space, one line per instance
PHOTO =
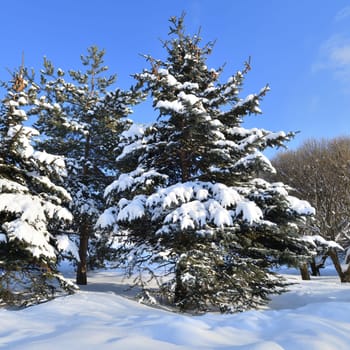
170,79
248,99
135,131
29,207
231,89
130,148
23,133
181,192
39,241
300,206
126,181
313,315
193,205
275,135
190,86
22,100
179,105
188,98
30,226
47,158
202,194
11,186
132,210
250,211
64,244
219,215
189,215
47,182
225,195
319,240
199,203
252,158
107,218
20,113
175,106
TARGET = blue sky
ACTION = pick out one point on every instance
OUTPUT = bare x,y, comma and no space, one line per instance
300,48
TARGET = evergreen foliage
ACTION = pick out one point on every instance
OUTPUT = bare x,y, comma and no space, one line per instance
32,203
188,206
83,127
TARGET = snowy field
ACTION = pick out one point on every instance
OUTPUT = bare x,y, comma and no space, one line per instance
313,315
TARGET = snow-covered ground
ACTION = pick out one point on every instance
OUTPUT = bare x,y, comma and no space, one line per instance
314,315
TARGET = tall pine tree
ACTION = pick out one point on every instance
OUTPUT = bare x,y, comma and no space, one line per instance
33,207
188,205
83,127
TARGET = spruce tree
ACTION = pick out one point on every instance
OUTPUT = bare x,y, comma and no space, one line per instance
189,207
83,127
33,206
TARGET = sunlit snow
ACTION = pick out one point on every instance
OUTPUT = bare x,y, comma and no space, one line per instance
314,315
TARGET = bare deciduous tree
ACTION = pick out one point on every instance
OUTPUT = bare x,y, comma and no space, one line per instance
319,171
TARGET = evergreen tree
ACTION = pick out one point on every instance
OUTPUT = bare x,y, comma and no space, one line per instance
32,204
82,127
188,206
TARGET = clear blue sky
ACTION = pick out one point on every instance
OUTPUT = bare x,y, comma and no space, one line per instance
301,48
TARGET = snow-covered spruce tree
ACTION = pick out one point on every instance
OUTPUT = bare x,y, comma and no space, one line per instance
32,204
188,205
83,127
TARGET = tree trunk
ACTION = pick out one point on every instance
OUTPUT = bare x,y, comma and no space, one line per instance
316,266
315,271
346,273
81,278
344,276
84,228
180,293
305,275
185,167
